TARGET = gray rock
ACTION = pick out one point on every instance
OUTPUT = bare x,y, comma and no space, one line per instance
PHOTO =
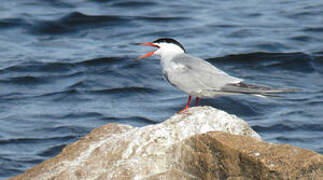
192,145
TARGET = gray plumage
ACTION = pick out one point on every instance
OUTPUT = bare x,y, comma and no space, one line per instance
199,78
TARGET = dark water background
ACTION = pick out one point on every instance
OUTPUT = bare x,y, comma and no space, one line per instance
67,66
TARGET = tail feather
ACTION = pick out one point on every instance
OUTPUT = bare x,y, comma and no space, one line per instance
244,88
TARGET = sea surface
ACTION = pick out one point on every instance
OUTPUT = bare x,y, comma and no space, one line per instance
69,66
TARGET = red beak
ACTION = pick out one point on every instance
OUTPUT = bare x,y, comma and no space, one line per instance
150,53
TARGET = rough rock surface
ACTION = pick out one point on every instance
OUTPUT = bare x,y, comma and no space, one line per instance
202,143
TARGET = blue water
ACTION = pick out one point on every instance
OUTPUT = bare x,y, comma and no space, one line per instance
68,66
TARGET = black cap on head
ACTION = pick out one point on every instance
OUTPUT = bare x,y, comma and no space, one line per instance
169,40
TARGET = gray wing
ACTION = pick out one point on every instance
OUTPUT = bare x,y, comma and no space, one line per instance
244,88
196,76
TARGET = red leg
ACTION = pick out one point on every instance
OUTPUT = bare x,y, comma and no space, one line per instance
197,101
187,105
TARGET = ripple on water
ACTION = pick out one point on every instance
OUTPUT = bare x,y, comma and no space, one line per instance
68,67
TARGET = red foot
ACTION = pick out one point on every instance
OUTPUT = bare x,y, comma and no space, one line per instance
183,110
188,104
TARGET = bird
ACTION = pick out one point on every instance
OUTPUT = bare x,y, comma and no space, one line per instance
199,78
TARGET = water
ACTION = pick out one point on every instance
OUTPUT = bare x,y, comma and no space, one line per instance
67,67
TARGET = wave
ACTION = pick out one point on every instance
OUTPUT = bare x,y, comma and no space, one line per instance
300,139
289,127
24,80
58,67
314,29
132,120
100,61
13,22
38,67
52,151
134,4
34,140
122,90
75,21
280,61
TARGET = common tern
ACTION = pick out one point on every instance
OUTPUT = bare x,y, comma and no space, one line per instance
199,78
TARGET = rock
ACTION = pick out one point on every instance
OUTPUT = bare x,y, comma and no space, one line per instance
217,155
202,143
